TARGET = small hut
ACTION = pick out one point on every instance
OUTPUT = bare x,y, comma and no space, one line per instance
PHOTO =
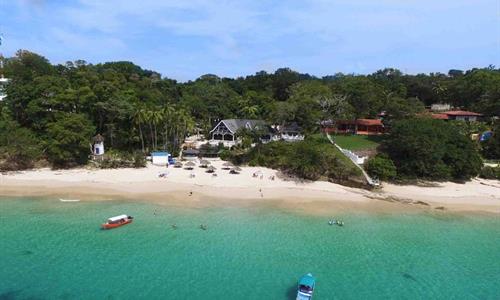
178,164
161,158
211,169
190,154
98,145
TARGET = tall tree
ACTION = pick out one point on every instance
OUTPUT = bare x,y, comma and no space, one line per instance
68,139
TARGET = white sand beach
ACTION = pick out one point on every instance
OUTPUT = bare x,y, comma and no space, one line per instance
245,188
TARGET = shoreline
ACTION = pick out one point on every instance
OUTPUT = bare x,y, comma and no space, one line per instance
244,189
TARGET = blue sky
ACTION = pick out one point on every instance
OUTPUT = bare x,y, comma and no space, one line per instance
184,39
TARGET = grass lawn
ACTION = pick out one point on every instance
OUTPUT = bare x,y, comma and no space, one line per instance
357,142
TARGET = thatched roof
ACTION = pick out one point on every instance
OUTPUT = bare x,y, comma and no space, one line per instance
227,164
204,162
178,164
190,164
98,138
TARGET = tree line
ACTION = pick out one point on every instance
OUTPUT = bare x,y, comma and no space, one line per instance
56,109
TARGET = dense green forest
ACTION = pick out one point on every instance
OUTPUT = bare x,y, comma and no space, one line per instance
52,111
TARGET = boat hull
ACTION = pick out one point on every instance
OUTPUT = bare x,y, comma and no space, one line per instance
303,296
115,225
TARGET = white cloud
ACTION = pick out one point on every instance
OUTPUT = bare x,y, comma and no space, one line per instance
234,37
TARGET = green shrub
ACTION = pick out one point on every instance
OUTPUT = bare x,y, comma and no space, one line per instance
113,159
491,147
431,149
311,159
490,173
139,160
381,167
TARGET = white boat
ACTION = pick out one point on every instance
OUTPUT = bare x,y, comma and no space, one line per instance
69,200
117,221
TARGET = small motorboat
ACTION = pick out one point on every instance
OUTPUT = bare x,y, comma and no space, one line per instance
69,200
332,222
306,287
117,221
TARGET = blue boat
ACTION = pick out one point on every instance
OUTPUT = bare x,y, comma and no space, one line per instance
306,287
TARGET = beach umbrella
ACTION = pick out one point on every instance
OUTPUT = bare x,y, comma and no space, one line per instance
227,165
178,164
190,165
235,170
204,163
211,169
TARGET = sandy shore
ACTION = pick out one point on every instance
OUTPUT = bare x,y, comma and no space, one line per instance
244,189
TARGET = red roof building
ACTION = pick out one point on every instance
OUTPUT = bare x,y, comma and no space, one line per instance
359,126
461,115
440,116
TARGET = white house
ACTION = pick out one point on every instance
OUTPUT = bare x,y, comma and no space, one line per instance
225,131
459,115
288,133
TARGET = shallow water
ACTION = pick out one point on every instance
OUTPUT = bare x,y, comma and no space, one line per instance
54,250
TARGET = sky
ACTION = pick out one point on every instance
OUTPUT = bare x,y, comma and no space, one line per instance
184,39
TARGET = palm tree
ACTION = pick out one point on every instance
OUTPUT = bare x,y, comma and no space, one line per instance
156,119
250,111
187,123
148,116
167,113
138,119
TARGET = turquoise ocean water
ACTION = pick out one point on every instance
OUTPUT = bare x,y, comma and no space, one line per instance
54,250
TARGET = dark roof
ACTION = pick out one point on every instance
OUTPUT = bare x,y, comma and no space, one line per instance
291,127
235,124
